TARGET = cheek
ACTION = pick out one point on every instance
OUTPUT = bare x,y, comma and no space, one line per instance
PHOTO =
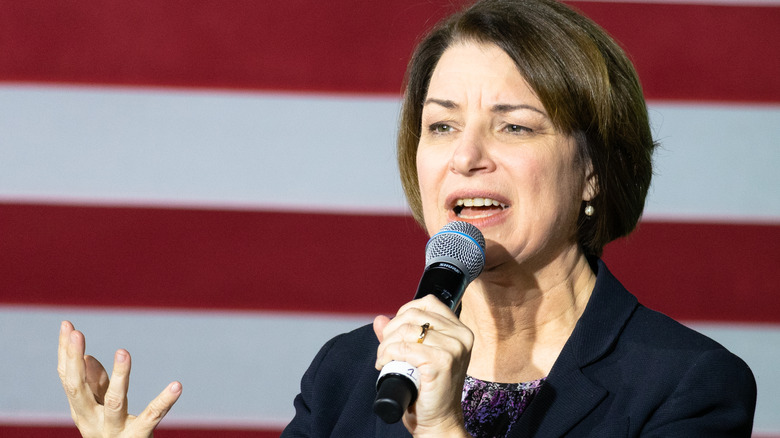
433,173
432,165
564,190
544,183
529,177
428,179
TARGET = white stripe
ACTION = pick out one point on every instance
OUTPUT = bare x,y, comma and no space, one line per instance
239,369
715,163
135,146
325,153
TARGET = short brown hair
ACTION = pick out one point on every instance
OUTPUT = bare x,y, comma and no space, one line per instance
587,85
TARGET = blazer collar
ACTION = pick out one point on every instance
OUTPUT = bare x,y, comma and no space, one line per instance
568,395
607,312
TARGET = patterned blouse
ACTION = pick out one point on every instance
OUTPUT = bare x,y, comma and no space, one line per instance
490,409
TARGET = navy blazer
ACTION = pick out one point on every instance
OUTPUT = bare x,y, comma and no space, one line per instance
626,371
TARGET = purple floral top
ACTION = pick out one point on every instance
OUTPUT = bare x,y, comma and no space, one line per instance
490,409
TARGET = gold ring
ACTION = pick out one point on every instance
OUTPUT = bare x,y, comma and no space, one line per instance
424,332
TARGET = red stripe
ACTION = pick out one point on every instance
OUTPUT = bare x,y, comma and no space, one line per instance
161,432
705,272
61,255
346,45
697,52
170,258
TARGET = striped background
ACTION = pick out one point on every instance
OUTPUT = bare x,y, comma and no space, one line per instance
211,185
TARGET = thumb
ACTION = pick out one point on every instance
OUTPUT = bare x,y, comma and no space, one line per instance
380,322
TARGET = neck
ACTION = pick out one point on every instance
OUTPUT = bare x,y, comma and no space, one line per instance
522,318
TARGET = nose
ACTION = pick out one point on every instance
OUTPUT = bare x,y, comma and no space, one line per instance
471,154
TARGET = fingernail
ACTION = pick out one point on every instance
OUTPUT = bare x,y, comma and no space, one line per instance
74,338
176,387
62,326
121,356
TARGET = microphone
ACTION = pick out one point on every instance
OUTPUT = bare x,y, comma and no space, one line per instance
454,257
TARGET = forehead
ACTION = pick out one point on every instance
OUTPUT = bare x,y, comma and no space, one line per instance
468,70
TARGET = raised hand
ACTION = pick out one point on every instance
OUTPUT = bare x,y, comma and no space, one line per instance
99,405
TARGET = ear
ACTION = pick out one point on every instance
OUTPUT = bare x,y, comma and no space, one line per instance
591,186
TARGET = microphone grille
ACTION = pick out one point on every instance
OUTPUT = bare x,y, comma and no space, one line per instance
461,241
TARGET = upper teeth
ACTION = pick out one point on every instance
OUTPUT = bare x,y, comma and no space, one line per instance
479,202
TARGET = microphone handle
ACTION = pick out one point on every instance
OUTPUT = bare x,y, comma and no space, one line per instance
444,280
399,382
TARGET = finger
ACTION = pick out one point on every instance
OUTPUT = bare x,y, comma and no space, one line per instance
74,379
380,322
97,378
442,334
62,350
397,345
429,303
405,328
438,348
407,325
427,309
115,399
66,328
157,408
411,353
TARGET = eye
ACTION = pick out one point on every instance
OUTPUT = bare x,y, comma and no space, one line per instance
439,128
517,129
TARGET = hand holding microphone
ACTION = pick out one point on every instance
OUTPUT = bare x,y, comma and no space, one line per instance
454,257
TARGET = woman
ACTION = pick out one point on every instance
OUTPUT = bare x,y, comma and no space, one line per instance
526,120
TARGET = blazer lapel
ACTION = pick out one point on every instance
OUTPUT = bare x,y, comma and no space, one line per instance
566,398
567,395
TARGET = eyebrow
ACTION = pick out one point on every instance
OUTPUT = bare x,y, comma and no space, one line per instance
500,108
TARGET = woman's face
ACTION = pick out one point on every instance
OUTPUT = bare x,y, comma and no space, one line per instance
489,155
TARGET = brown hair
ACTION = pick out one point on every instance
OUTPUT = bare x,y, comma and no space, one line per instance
587,85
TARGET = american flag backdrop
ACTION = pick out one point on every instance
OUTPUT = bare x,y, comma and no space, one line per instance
212,185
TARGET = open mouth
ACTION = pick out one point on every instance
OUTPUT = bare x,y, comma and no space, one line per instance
477,208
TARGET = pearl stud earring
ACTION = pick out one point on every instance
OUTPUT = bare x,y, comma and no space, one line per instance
589,210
